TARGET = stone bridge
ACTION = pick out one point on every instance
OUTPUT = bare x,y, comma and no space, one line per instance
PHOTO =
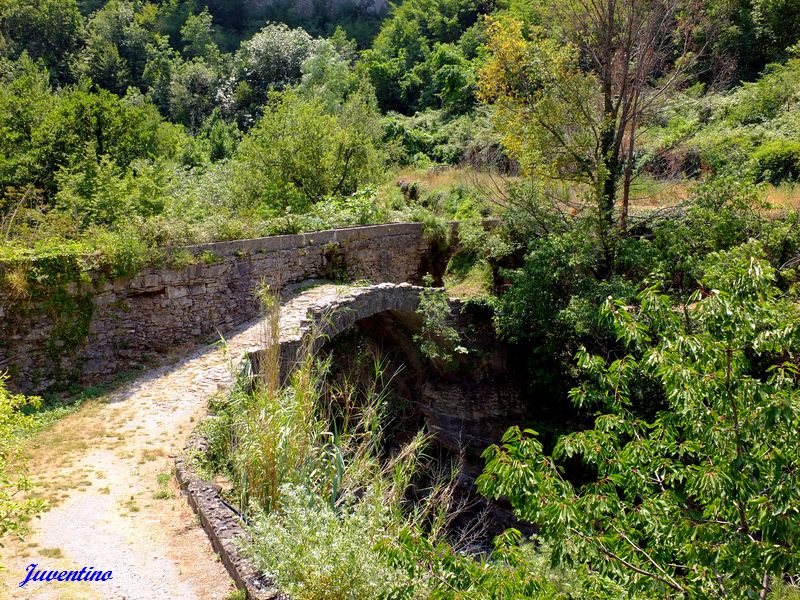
311,312
466,408
467,404
101,326
308,321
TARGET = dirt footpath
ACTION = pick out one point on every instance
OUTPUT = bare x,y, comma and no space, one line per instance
106,471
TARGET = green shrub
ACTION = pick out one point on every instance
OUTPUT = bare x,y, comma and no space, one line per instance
17,506
320,552
436,230
777,161
436,137
723,213
753,125
300,154
437,340
360,208
663,512
764,99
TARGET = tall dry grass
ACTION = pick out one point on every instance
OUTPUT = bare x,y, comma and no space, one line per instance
274,431
333,513
784,197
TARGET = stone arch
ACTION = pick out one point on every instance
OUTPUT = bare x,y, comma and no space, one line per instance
467,408
326,321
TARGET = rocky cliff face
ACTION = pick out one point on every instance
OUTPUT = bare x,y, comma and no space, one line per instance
257,9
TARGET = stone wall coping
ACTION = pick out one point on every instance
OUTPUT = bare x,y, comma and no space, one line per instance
276,243
222,525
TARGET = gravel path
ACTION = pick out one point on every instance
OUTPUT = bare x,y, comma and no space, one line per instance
106,473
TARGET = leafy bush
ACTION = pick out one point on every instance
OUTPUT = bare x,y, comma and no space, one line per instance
17,507
360,208
320,552
438,341
443,138
777,161
300,154
697,500
723,213
553,301
744,126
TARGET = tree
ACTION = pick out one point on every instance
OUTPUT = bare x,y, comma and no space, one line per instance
699,500
119,45
101,61
299,153
51,30
328,75
25,96
223,137
157,75
192,92
198,38
396,60
572,95
44,132
754,34
272,58
452,80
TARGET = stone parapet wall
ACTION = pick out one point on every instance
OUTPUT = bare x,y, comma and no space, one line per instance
221,523
131,321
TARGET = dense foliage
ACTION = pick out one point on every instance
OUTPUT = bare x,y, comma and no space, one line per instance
130,127
138,108
16,506
698,499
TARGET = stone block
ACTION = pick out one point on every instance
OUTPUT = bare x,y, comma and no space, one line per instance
105,299
170,277
152,281
176,292
216,271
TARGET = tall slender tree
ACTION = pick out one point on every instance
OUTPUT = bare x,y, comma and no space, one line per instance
573,93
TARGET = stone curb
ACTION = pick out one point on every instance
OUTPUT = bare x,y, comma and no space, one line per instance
221,524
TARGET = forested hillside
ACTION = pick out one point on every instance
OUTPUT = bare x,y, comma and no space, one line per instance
640,159
197,121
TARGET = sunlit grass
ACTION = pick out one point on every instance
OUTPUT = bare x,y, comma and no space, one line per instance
647,192
784,196
472,282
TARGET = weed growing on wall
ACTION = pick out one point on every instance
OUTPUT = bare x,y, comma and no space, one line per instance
437,340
